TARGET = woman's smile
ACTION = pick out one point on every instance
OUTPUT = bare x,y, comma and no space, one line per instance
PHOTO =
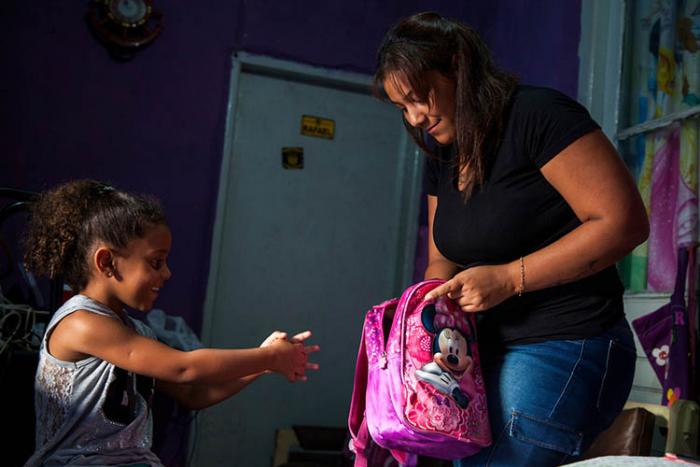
433,127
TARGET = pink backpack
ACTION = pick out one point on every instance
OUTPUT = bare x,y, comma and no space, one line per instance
419,391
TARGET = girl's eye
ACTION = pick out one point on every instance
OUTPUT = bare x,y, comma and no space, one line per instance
157,263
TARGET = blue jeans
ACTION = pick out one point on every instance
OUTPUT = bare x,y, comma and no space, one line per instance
548,401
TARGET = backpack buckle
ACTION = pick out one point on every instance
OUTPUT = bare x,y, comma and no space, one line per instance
382,361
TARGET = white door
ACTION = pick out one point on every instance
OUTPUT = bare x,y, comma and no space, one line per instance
303,248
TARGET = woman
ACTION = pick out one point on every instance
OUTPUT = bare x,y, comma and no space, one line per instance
529,208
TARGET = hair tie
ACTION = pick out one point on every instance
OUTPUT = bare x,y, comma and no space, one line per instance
104,189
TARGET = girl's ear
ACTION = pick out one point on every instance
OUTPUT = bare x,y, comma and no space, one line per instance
104,261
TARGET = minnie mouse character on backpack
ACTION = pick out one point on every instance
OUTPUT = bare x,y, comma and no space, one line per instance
452,356
418,386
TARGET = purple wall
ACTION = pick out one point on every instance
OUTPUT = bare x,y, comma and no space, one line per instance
156,124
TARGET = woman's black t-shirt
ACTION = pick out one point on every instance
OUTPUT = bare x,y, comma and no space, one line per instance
517,212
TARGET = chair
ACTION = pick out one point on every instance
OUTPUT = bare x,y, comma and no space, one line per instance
634,432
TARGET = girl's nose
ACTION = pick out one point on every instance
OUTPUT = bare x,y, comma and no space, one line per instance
166,273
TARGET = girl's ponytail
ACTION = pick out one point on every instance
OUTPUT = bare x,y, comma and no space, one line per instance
67,222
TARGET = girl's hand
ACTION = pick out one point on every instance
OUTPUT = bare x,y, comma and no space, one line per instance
289,359
273,337
300,338
269,340
480,287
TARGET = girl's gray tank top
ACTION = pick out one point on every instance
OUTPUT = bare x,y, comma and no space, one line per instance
91,412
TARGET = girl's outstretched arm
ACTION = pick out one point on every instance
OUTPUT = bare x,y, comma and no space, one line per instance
201,396
83,334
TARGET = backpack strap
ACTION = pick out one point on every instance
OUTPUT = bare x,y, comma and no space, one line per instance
679,288
692,315
357,423
356,420
676,383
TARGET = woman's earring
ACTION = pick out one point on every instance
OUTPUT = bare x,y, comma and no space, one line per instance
109,273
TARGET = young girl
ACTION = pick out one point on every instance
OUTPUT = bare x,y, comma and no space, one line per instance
98,367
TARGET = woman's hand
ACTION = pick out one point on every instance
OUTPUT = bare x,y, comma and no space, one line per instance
480,287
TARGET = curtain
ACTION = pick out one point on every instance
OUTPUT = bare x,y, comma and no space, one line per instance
664,79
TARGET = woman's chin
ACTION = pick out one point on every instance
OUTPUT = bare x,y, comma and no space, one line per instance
443,139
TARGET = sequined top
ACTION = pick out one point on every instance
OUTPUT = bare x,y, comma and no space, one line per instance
91,412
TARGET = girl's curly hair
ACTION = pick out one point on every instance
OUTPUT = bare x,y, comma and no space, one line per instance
68,221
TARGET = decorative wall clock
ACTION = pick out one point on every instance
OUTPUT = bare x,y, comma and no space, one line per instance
124,26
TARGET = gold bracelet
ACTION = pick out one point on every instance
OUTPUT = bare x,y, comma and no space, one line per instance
521,289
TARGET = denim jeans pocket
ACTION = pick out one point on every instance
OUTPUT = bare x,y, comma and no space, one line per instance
545,433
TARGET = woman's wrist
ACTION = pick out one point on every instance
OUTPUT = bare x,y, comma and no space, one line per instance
521,285
516,276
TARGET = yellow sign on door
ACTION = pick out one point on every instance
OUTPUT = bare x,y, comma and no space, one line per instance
317,127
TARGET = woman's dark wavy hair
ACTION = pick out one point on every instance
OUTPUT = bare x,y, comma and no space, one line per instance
428,42
68,221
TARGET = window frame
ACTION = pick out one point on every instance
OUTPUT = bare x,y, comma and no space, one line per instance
600,61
